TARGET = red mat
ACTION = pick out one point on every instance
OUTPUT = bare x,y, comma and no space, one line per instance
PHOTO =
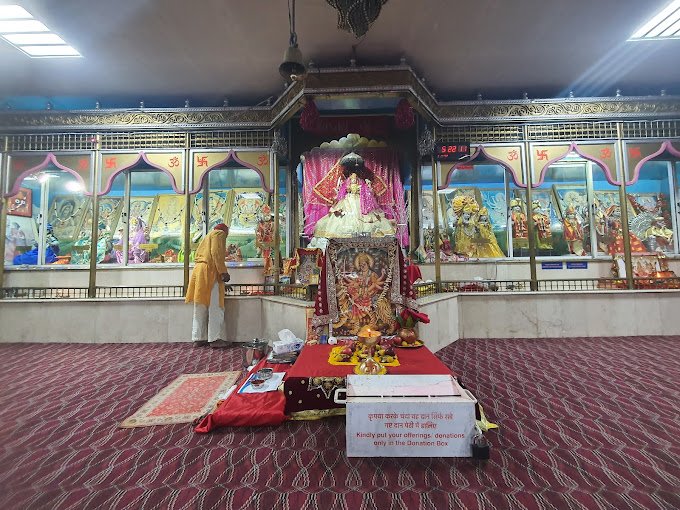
186,398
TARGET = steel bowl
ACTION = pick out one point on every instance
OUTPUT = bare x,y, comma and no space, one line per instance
265,373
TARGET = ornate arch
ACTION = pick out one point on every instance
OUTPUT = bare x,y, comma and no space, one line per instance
666,146
231,156
141,157
573,147
50,158
480,153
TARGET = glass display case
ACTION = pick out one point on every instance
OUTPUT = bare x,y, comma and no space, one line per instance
45,219
652,210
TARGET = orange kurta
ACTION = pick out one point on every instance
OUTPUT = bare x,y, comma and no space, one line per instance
209,267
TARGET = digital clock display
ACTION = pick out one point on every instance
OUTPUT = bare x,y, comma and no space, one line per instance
452,151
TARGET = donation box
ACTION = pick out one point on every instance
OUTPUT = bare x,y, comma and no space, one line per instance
408,416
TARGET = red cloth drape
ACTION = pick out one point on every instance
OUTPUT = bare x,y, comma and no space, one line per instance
248,409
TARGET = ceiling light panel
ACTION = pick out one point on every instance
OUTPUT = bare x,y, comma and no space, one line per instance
53,50
19,28
42,38
663,25
14,12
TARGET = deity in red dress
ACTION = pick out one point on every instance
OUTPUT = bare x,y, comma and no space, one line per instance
520,231
573,231
542,223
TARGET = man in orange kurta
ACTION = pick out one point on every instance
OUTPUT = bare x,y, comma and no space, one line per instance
206,289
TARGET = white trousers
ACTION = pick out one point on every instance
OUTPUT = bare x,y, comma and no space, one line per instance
208,321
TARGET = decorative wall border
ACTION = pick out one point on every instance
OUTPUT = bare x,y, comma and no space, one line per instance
398,80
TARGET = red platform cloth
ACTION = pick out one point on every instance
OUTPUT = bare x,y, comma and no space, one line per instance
262,409
313,362
312,381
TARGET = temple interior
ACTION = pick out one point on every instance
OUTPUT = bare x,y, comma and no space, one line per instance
448,248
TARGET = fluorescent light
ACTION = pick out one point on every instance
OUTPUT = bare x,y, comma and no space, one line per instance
62,50
14,12
43,38
674,29
18,28
657,27
22,25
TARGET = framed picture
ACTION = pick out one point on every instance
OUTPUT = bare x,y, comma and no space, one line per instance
220,206
109,214
142,207
247,210
21,204
168,216
363,276
21,234
66,215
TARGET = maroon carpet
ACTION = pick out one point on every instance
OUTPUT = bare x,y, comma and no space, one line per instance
584,423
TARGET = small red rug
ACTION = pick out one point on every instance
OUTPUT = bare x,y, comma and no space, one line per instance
188,397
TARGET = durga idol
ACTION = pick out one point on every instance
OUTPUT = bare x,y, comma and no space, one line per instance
356,210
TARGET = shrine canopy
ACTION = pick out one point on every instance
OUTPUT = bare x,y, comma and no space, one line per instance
323,174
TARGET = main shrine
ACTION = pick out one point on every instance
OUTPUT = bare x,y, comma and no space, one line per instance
350,230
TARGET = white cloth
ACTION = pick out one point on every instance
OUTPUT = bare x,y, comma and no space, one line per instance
208,322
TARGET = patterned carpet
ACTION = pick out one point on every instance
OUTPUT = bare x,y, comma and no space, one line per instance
584,423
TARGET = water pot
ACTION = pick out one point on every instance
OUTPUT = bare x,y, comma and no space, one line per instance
254,351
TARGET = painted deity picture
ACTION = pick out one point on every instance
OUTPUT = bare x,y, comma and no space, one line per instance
247,210
109,216
66,216
168,218
220,204
142,207
21,204
363,277
21,234
652,221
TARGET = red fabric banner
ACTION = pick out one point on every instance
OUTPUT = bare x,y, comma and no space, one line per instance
370,127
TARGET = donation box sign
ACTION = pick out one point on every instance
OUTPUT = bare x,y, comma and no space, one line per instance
420,423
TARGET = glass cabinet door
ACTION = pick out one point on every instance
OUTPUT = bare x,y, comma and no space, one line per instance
561,212
651,210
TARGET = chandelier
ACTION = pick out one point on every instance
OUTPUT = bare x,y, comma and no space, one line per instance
357,16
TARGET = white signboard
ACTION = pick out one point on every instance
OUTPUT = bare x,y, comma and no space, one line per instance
439,426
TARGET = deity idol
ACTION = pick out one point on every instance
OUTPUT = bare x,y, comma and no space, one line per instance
573,231
486,244
136,254
356,210
614,233
542,222
658,237
520,232
264,239
466,232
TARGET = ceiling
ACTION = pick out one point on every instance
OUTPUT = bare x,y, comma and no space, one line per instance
163,51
